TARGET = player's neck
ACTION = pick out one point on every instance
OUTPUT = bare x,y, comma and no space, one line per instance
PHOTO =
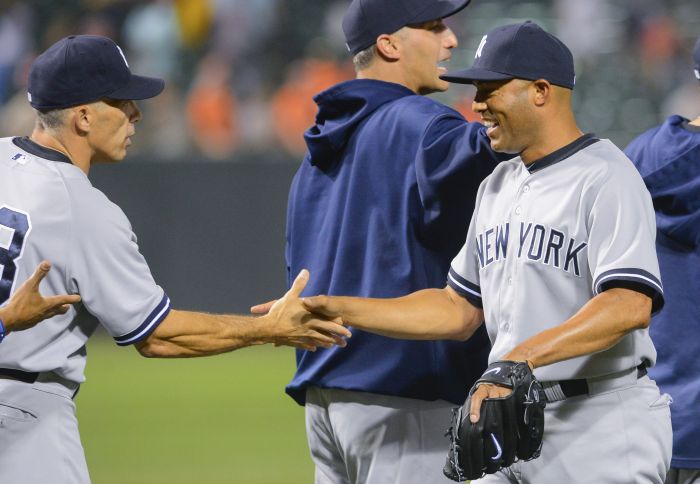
381,71
696,121
551,140
72,150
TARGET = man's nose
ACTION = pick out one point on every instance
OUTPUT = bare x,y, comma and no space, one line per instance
450,39
478,106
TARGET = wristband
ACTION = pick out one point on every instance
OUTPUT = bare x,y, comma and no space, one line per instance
2,331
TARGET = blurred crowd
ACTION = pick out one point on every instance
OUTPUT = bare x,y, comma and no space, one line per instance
241,74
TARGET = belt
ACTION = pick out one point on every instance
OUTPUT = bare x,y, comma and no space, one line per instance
563,389
24,376
48,379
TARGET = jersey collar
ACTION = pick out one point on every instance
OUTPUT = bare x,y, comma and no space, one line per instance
41,151
563,153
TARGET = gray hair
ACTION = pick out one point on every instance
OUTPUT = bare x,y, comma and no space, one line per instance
364,58
51,119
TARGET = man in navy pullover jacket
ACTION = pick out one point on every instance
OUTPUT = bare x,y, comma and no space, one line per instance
378,208
668,158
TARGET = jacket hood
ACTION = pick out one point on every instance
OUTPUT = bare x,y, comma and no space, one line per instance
341,109
672,175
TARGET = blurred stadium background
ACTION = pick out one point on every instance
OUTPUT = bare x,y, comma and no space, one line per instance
241,73
206,182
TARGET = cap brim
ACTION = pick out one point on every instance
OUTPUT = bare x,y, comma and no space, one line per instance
139,87
440,9
468,76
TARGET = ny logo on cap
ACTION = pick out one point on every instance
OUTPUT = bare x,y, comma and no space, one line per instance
122,54
481,47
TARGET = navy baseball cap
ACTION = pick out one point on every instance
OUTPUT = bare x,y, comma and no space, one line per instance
84,68
696,59
522,51
365,20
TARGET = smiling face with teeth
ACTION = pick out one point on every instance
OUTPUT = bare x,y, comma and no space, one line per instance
425,49
507,112
528,118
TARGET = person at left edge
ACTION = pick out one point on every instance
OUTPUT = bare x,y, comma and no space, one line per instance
83,92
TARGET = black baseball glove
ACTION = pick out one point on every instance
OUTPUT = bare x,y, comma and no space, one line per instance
509,429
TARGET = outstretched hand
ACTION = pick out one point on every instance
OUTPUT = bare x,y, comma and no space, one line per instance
326,306
263,308
27,307
294,325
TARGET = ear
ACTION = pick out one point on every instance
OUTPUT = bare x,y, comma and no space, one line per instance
388,46
542,91
83,118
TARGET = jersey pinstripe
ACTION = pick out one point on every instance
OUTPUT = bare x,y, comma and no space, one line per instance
94,253
547,238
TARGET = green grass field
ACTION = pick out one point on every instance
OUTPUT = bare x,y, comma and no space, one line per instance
224,419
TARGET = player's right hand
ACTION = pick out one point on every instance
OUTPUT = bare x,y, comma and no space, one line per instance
293,325
27,307
327,306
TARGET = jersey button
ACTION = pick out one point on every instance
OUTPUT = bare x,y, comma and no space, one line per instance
518,210
526,188
510,281
506,326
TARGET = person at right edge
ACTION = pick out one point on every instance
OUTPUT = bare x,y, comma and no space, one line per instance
560,263
668,158
378,208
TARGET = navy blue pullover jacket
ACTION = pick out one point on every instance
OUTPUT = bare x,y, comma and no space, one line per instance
668,158
378,208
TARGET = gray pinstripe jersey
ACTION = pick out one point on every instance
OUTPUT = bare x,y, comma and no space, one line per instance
547,238
49,210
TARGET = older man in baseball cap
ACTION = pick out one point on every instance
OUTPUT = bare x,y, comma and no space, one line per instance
377,209
84,68
89,71
83,92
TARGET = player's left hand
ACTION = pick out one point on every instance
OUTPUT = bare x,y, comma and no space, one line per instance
482,392
506,422
27,307
488,390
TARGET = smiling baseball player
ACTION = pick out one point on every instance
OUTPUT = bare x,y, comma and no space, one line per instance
560,263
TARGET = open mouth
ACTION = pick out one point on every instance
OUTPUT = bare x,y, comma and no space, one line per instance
442,66
491,126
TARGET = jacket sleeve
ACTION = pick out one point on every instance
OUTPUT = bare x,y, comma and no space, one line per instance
453,158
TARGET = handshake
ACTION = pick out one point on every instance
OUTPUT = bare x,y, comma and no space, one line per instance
304,323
